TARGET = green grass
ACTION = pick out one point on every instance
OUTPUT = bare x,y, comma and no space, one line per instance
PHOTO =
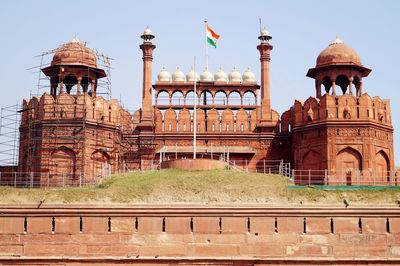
197,187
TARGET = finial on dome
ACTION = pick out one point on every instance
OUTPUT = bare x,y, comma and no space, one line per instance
264,36
75,40
147,35
337,41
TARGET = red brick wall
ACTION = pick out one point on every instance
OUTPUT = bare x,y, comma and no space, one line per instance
222,237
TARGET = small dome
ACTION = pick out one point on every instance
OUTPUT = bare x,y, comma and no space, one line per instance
264,32
338,53
147,31
206,76
235,76
220,76
178,75
164,75
248,76
74,52
191,76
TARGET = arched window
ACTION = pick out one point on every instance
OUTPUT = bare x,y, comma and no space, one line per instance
234,98
343,82
163,98
189,99
206,98
326,81
177,98
249,98
220,98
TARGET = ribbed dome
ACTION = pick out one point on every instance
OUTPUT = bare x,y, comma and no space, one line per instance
235,76
206,76
191,76
338,53
164,75
220,76
178,75
248,77
74,53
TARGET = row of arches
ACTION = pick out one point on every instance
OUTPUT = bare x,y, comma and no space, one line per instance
344,82
207,121
349,166
206,97
64,165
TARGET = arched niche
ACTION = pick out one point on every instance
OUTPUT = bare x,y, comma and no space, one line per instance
348,165
382,165
242,121
184,120
170,121
228,120
62,164
213,122
100,164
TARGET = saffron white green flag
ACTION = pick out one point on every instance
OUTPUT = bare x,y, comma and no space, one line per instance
212,37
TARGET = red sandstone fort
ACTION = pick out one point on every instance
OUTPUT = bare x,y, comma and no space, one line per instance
339,135
73,135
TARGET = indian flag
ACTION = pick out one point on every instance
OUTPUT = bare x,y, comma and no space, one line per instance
212,37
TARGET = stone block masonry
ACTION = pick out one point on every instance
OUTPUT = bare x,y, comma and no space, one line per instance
192,235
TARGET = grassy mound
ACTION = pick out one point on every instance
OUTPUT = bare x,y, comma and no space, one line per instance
197,187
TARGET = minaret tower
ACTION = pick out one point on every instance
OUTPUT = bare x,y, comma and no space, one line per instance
265,50
146,119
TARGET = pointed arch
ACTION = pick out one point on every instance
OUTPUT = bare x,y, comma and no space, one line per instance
382,166
170,121
242,121
184,120
348,164
100,164
213,122
158,120
228,120
62,164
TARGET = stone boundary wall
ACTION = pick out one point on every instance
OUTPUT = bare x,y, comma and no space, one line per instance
198,164
188,235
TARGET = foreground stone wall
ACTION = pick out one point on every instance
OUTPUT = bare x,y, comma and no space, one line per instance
161,235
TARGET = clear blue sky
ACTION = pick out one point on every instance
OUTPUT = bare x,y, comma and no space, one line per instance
300,30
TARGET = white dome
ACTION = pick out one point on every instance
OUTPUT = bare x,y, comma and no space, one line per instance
264,32
248,76
178,75
235,76
220,76
191,75
206,76
164,75
147,31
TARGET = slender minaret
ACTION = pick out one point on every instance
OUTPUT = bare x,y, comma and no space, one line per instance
265,49
146,120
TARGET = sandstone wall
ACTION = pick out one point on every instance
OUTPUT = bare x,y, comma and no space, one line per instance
220,236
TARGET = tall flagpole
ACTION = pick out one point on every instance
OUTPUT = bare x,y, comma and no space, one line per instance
194,109
206,46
